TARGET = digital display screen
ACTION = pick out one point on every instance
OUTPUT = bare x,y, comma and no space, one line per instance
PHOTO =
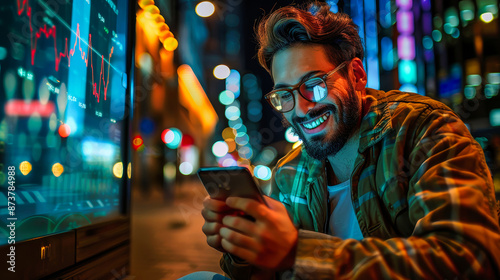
62,124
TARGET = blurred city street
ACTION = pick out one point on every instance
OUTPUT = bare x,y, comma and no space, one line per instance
167,241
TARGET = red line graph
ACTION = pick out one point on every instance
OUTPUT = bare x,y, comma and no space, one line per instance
23,5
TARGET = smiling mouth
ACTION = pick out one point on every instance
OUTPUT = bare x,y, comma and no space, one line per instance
314,123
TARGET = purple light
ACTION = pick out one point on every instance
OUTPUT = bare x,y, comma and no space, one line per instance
429,55
427,23
404,4
406,47
405,22
426,5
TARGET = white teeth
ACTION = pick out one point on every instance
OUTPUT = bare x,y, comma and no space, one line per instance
317,122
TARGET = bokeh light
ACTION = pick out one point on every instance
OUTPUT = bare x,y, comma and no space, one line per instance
262,172
25,167
170,44
232,113
231,145
221,71
173,138
118,170
57,169
487,17
220,148
205,9
228,133
137,142
226,97
291,136
186,168
64,130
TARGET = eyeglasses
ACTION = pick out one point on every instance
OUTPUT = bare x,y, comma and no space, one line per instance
313,89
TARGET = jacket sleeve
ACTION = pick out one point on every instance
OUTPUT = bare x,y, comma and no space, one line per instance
451,206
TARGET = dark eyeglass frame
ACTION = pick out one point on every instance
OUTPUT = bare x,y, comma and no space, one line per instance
292,89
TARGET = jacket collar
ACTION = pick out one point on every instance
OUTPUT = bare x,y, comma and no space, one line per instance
377,122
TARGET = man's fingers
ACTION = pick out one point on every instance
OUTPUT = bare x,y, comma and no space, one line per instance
240,252
215,205
214,241
211,228
238,239
240,224
249,206
211,216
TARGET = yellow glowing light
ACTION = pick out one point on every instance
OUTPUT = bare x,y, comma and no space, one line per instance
170,44
296,144
231,145
25,167
118,170
244,162
151,11
487,17
228,133
205,9
144,3
158,19
164,35
57,169
193,97
221,71
129,170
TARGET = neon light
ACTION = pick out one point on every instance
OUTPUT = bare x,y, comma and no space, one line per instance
406,47
22,109
407,72
404,4
405,22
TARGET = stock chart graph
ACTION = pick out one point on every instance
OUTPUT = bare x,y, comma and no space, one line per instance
63,91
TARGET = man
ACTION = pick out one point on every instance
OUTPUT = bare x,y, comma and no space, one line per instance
387,185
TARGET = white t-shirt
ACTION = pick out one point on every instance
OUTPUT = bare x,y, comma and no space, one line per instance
343,221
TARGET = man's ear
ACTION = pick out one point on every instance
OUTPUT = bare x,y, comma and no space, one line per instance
359,74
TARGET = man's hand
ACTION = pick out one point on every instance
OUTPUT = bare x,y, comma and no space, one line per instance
213,212
269,242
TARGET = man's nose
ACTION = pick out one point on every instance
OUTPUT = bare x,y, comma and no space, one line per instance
302,105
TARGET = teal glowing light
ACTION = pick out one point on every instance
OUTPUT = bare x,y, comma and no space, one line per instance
233,82
232,113
437,35
262,172
495,117
466,10
409,88
427,42
173,138
226,97
407,72
470,92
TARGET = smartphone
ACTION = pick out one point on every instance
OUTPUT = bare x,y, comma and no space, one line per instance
223,182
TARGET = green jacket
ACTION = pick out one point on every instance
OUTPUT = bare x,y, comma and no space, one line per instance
422,194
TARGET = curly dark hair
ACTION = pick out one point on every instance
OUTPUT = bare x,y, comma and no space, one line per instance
315,25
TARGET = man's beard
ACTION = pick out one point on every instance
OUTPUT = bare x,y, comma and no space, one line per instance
322,146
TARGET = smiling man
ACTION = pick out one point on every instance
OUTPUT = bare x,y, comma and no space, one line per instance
387,185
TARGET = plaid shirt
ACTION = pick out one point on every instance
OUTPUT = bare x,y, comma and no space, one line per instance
421,191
